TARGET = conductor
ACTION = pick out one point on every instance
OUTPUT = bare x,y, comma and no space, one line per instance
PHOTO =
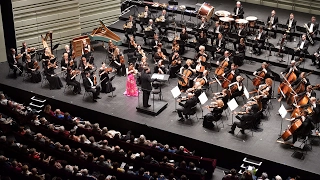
146,85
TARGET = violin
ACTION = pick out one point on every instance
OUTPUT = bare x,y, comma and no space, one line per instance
162,56
36,65
122,59
133,43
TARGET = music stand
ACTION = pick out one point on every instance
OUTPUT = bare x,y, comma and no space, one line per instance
175,93
110,80
190,9
283,112
173,3
203,99
232,104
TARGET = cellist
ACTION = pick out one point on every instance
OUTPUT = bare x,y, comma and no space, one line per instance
234,71
236,88
186,72
309,93
302,78
265,70
202,53
291,73
292,68
223,62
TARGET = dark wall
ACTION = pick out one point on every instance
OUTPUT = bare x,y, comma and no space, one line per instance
8,24
226,158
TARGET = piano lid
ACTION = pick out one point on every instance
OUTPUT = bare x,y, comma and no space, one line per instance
102,33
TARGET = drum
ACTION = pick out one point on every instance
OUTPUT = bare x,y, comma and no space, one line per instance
241,21
252,21
206,10
222,13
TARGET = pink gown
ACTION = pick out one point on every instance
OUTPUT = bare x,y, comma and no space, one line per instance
131,87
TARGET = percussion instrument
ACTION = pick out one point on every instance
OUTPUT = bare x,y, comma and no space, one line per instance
226,19
252,20
206,10
241,21
222,13
182,7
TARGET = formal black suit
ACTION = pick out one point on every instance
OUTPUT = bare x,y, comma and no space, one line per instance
236,73
301,52
296,70
145,20
299,79
146,87
315,60
241,33
240,12
148,34
214,34
186,107
88,87
131,30
293,25
246,121
258,44
315,28
222,46
73,82
106,84
204,27
14,64
304,130
275,22
23,51
163,24
267,74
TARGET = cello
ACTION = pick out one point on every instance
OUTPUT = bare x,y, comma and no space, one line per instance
220,70
227,80
285,87
294,126
185,76
300,87
258,79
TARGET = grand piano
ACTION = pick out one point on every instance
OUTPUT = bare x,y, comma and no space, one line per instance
104,34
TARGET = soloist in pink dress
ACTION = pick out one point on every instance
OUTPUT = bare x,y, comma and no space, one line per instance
131,87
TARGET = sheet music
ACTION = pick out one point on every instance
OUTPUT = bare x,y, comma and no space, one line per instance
157,76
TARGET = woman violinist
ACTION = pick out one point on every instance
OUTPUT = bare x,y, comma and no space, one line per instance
216,109
106,84
174,64
33,68
71,80
159,55
118,62
175,45
52,77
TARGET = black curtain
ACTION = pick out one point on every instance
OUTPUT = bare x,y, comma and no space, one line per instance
8,24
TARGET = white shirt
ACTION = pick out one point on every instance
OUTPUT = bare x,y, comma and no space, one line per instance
219,44
217,30
237,11
311,27
90,81
271,19
239,32
290,23
259,36
202,25
301,45
237,83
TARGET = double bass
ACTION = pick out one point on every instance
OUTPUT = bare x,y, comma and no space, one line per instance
284,87
294,126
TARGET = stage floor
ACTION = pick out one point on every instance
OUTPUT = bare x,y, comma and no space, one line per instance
263,144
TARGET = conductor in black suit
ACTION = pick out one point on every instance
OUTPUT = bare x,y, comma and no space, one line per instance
190,102
146,85
238,10
302,47
90,87
245,121
13,62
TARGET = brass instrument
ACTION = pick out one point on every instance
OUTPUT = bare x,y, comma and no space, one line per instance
128,25
160,19
308,33
269,25
148,28
143,14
